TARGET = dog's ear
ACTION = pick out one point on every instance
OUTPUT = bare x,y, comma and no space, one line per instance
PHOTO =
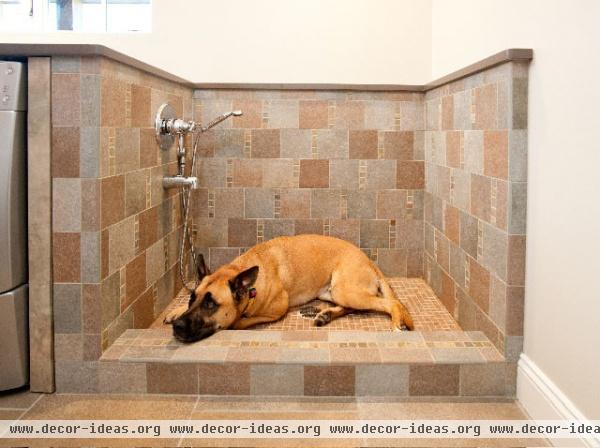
243,281
203,270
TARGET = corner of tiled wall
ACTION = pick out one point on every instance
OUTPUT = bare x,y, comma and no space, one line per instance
346,164
115,229
475,201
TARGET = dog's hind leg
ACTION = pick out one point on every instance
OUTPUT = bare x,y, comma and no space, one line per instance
365,300
328,314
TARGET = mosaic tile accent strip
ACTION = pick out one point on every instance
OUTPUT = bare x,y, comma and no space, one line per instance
429,314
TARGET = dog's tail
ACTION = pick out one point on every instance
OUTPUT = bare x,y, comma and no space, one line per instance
388,293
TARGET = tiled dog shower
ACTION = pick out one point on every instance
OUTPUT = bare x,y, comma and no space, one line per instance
429,183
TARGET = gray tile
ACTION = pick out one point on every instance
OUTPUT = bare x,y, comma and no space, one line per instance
517,155
274,379
90,100
344,174
283,114
517,210
495,250
259,203
382,380
296,143
380,115
473,152
90,152
482,379
66,205
381,174
362,204
325,203
332,144
90,257
115,377
67,307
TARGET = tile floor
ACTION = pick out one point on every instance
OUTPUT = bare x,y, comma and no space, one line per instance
428,312
25,405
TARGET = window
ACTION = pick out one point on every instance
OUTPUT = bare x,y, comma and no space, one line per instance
89,16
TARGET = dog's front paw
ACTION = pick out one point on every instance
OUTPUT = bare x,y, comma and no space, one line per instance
401,327
174,314
309,311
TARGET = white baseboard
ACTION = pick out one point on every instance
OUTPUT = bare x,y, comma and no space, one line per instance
543,400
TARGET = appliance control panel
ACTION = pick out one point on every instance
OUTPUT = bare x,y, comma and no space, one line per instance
13,94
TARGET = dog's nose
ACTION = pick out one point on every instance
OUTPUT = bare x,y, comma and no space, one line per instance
179,326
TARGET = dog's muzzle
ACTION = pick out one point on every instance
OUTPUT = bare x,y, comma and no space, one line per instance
187,329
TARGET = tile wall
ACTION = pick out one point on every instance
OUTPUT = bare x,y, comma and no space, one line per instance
475,201
115,229
345,164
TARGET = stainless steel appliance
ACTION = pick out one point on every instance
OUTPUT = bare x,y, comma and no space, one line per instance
14,333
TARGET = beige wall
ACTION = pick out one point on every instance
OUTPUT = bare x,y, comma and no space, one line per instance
278,41
562,295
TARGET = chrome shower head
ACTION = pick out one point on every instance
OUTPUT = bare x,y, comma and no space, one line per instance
236,113
220,118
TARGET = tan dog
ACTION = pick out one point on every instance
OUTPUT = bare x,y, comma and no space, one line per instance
260,285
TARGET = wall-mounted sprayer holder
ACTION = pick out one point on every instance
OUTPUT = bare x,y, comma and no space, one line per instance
167,127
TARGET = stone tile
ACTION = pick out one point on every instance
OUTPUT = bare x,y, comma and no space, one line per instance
66,262
66,92
149,150
349,115
474,151
276,380
451,223
381,174
259,203
296,143
313,114
481,197
121,243
412,116
241,232
220,256
283,114
143,310
515,296
374,233
279,173
517,155
332,144
113,200
345,229
216,379
295,204
433,380
67,308
519,103
498,302
252,114
462,110
90,257
165,378
363,144
468,233
228,143
308,226
447,113
343,174
354,356
447,296
486,107
66,205
135,191
127,150
196,353
516,260
112,407
141,115
211,173
20,399
265,143
494,250
114,105
89,144
457,265
457,355
247,173
380,114
495,154
362,204
126,378
329,380
110,296
442,251
135,279
410,175
74,377
278,227
314,174
398,145
392,262
155,262
517,208
148,227
482,379
391,204
65,152
405,355
304,335
479,285
325,204
212,232
462,190
303,355
454,146
229,203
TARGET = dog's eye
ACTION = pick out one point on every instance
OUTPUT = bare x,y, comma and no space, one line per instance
209,303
